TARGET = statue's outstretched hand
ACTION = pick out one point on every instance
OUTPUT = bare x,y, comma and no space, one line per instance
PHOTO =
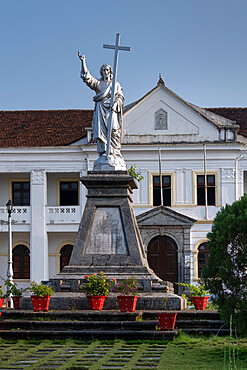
81,56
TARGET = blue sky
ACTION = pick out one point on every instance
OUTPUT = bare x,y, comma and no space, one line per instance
199,47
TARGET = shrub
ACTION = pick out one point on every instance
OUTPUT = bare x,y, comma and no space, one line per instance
12,288
96,284
127,287
197,290
40,289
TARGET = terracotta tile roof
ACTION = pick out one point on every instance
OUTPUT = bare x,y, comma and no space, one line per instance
235,114
43,128
63,127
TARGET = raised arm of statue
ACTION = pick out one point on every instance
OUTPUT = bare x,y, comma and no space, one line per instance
89,80
84,69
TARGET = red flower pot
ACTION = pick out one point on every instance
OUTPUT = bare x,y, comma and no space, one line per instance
96,302
40,303
1,302
167,320
16,301
200,303
127,303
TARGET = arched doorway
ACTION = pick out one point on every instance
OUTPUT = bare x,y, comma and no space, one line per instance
162,257
65,254
203,254
21,262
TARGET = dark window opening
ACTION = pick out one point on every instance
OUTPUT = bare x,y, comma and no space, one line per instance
166,188
21,193
203,254
210,190
69,193
21,262
65,254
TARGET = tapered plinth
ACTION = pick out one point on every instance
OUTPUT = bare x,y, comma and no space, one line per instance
108,238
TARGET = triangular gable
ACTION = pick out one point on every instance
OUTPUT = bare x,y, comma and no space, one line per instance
162,116
163,216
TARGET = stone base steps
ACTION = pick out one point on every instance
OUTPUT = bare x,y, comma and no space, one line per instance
89,334
88,325
78,301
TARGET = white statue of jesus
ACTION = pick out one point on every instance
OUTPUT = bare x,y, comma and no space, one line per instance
103,89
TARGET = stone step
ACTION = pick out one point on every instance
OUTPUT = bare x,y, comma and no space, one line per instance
104,324
208,331
107,315
187,326
77,325
78,301
190,315
86,315
89,334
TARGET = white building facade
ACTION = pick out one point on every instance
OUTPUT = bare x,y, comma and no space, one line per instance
43,181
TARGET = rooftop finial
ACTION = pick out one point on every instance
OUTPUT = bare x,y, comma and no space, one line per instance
160,81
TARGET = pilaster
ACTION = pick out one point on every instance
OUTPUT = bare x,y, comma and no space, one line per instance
38,235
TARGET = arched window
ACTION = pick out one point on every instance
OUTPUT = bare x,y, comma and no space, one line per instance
65,254
203,253
21,262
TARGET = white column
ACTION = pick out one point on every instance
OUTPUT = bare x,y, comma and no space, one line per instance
83,192
38,235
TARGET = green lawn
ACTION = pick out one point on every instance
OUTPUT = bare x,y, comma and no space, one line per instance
185,352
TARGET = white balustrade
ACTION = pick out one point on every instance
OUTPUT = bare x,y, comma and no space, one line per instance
20,215
63,214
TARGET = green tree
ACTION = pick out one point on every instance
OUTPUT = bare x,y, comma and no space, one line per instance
226,273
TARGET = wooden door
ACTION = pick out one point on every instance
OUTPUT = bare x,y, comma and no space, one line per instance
163,258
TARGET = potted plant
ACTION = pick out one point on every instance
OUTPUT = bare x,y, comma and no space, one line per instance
199,295
128,295
167,319
15,292
41,296
96,289
2,296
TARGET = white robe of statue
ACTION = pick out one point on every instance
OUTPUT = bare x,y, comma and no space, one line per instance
103,89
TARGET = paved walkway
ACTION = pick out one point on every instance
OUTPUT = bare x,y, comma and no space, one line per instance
80,355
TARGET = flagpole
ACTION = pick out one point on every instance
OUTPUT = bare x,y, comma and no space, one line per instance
161,183
205,181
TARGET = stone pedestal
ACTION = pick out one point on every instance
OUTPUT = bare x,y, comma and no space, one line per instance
108,238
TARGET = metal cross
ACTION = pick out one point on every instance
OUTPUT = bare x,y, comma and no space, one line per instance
115,47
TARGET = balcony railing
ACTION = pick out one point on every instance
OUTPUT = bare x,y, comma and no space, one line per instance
19,214
63,214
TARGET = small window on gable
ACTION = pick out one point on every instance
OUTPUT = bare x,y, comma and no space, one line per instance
21,262
166,189
69,193
160,119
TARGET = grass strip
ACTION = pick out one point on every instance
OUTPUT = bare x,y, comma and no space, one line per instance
16,357
45,360
136,356
11,349
72,362
103,361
